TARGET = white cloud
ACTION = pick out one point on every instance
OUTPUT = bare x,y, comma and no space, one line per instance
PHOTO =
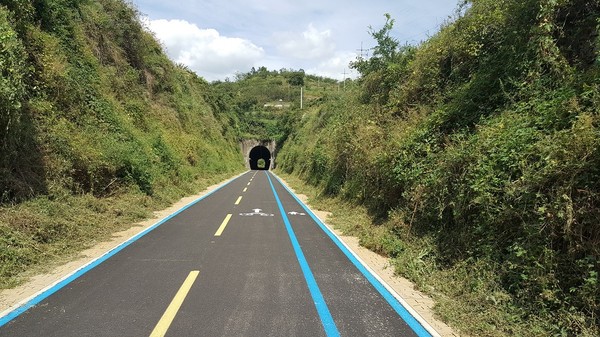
316,35
310,44
336,66
205,51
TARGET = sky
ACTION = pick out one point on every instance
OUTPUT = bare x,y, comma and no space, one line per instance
217,39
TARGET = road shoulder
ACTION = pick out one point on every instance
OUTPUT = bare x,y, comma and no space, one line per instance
419,302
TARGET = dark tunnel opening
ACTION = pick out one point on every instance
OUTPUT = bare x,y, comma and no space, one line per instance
260,158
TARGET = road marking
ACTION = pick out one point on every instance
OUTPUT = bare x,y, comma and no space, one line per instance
322,309
411,317
245,189
237,202
167,318
248,184
223,225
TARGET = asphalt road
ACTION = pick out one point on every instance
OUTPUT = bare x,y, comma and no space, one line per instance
247,260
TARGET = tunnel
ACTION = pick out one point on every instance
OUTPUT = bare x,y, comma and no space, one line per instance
256,154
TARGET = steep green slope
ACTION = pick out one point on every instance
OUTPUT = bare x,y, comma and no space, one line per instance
97,127
477,152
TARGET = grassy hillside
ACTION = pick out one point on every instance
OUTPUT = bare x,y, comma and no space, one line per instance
97,128
264,99
476,157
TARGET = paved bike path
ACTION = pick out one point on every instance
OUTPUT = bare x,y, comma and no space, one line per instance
247,260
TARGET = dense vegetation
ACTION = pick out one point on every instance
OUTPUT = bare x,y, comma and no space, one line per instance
97,128
262,99
477,156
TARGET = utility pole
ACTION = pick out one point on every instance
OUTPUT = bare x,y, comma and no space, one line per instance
362,51
301,97
344,78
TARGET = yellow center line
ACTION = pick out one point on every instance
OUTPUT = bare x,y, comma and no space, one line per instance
245,189
167,318
237,202
248,184
223,225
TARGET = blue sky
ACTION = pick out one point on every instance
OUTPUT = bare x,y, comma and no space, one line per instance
217,39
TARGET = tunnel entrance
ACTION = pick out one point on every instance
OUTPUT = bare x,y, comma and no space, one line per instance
260,158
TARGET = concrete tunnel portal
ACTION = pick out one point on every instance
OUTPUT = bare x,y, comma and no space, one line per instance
259,154
256,154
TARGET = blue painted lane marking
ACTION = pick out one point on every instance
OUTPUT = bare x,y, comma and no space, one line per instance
324,314
46,293
397,306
